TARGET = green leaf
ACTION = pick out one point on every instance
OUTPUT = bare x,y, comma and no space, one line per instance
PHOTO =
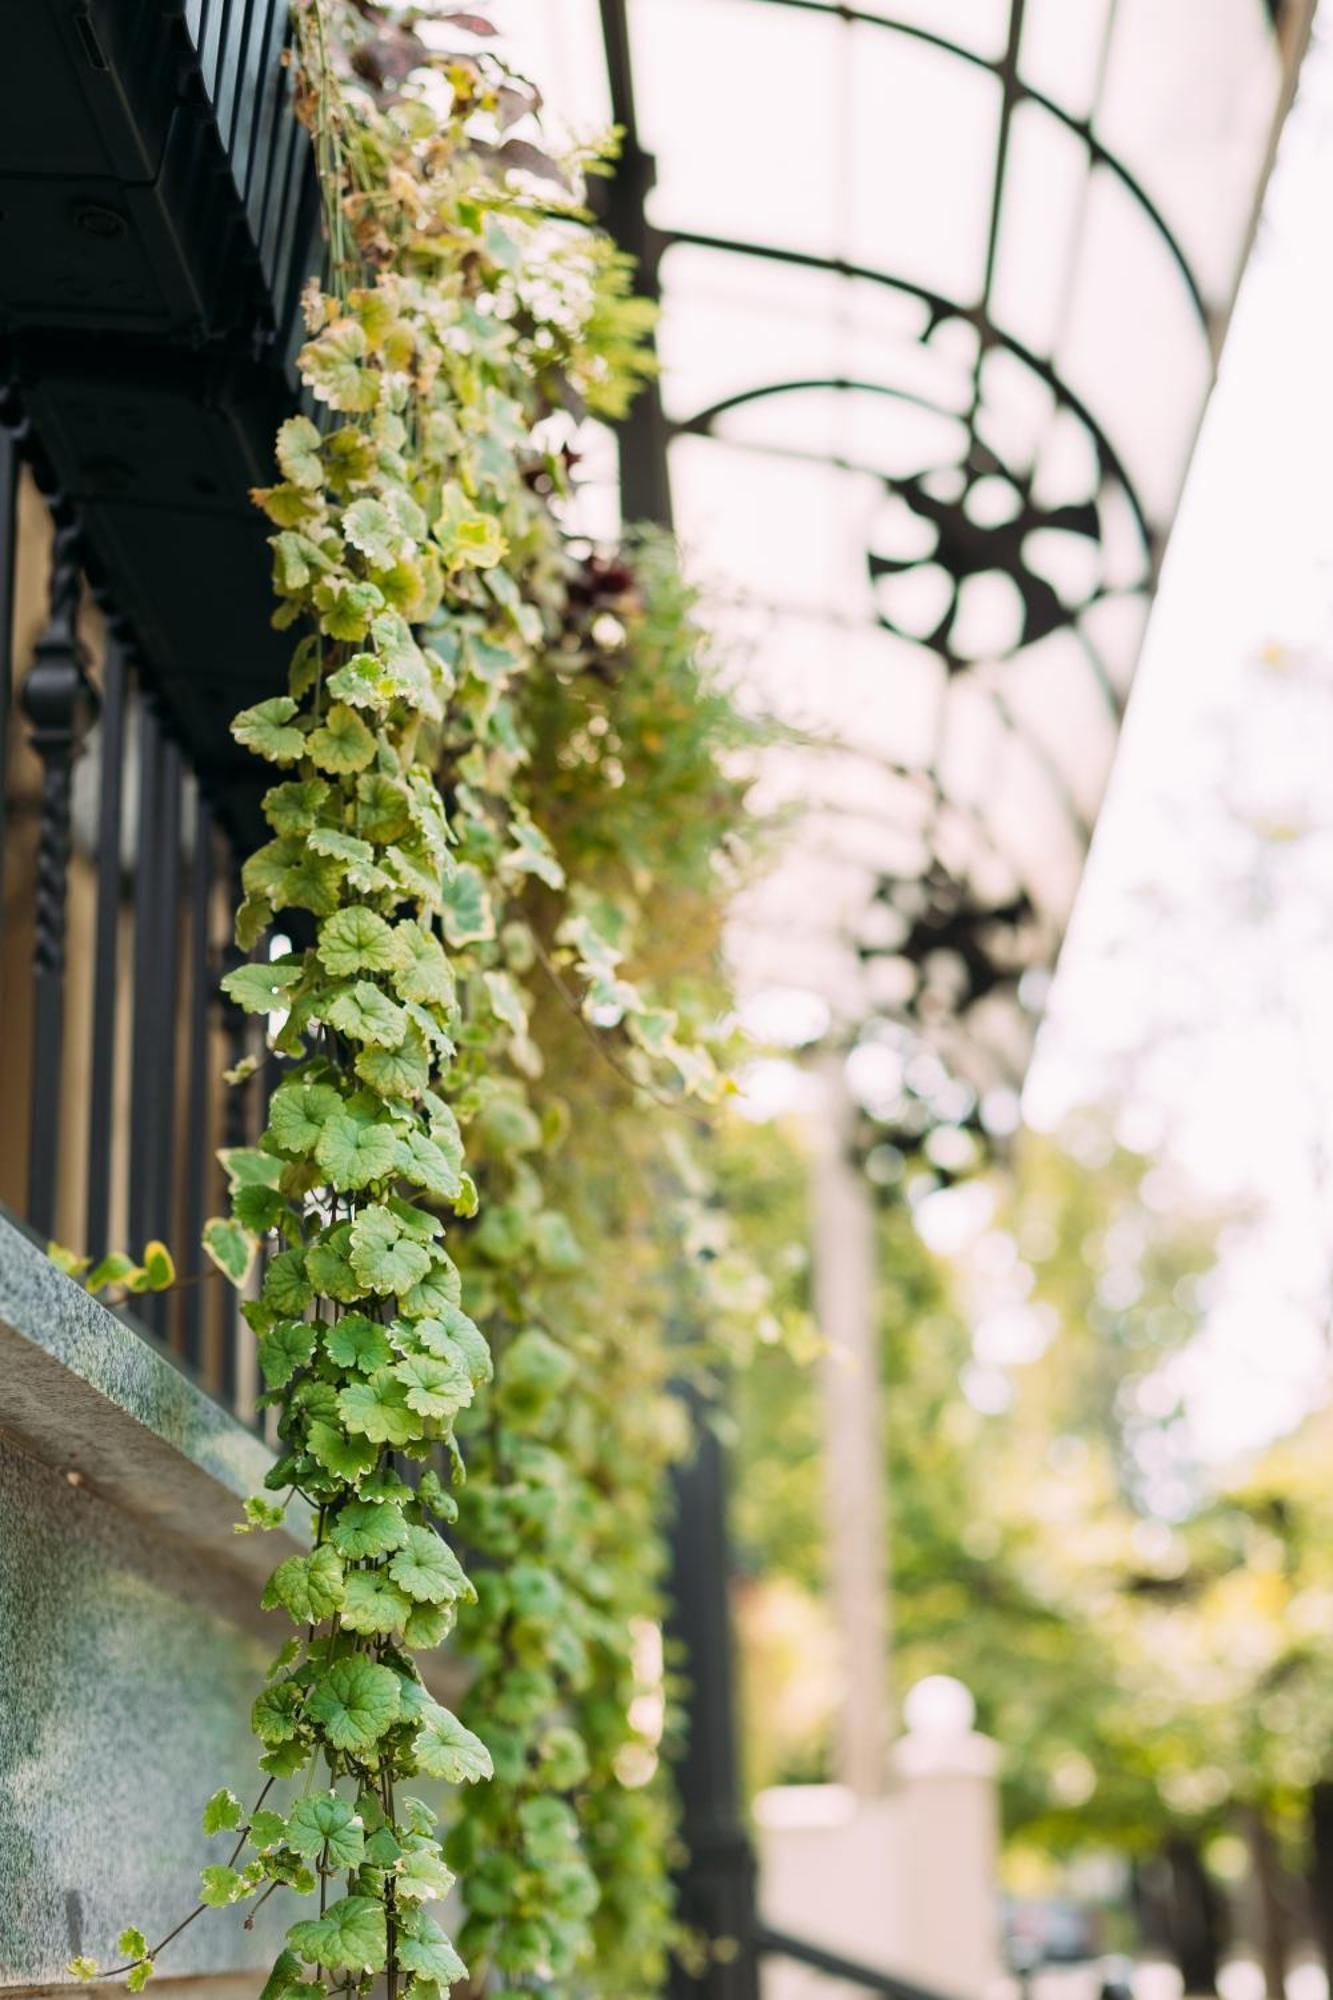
293,808
287,1972
364,1014
298,453
309,1587
433,1495
139,1975
221,1814
297,1112
261,1513
262,989
378,1409
445,1749
369,527
396,1073
346,607
382,1256
369,1528
333,364
353,1153
383,809
428,1570
326,1824
346,1458
468,916
266,1829
82,1968
434,1387
329,1268
113,1269
284,1349
373,1603
231,1248
220,1886
421,1161
355,1341
288,875
355,1702
468,539
269,731
132,1943
342,742
430,1955
422,971
422,1876
356,940
286,1287
349,1937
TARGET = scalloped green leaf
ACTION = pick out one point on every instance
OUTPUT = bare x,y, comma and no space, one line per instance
364,1014
353,1153
351,1936
356,1341
355,1702
382,1256
369,1528
342,742
269,731
326,1826
444,1748
427,1569
374,1604
355,939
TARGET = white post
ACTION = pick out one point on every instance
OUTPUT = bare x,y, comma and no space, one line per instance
843,1238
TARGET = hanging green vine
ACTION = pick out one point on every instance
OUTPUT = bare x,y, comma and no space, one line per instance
499,830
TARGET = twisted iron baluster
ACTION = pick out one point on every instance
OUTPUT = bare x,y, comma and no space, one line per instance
60,704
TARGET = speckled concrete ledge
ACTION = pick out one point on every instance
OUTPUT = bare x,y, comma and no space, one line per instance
83,1391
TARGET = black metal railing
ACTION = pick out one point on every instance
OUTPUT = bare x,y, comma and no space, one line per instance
770,1943
119,878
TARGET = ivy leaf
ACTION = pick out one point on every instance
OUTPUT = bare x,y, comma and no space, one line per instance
82,1968
262,989
440,1288
468,916
221,1814
293,808
353,1153
298,453
373,1603
284,1349
421,1161
422,1877
445,1749
347,607
355,1341
132,1943
220,1886
286,1286
421,970
349,1937
345,1458
274,1714
383,808
369,1528
309,1587
356,940
430,1955
428,1570
396,1073
333,364
266,1829
468,539
364,1014
435,1388
453,1336
342,742
431,1494
369,527
231,1248
269,731
382,1256
379,1410
297,1112
325,1822
289,875
330,1269
139,1975
355,1702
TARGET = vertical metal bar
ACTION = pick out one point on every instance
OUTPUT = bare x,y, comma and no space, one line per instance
146,1050
198,1155
235,1123
9,537
59,702
106,945
717,1883
166,976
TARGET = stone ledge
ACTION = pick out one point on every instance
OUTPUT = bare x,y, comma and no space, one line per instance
82,1390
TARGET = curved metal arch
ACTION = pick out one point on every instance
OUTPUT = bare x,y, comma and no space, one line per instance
941,309
1081,128
701,426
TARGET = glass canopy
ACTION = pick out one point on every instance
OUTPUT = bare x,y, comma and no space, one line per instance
943,288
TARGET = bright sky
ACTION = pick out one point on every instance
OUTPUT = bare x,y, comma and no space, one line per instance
1198,973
